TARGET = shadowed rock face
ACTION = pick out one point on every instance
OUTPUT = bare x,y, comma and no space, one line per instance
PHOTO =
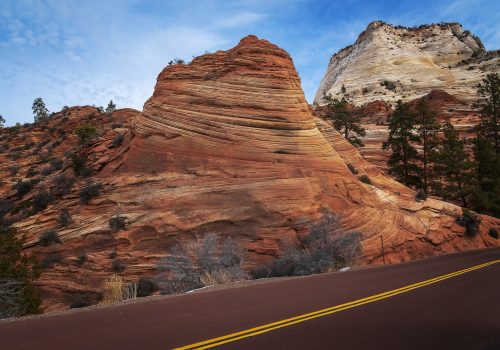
228,144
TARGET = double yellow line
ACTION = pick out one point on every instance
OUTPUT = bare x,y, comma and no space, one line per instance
211,343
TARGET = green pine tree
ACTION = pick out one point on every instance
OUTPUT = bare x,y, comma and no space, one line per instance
454,167
2,121
344,121
427,128
39,110
111,107
488,106
486,193
18,295
402,161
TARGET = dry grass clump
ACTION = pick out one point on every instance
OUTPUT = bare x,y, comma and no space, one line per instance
116,290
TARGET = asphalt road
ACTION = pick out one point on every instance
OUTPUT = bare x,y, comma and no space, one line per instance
455,311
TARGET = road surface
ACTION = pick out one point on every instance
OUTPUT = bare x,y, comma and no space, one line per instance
449,302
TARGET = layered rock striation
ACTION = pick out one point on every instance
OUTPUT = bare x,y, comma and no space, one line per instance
228,144
392,62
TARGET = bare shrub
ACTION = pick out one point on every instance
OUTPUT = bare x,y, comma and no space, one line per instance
326,248
207,261
146,286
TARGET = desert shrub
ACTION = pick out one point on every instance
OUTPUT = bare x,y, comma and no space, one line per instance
78,163
18,295
420,195
56,164
48,238
112,254
81,259
14,169
50,260
85,133
204,262
116,125
41,201
365,179
493,232
146,287
116,290
352,168
32,171
78,300
86,172
117,266
116,223
365,90
117,141
24,187
64,217
5,207
470,221
89,191
326,248
62,184
389,85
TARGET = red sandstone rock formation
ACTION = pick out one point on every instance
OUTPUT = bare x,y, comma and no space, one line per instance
228,144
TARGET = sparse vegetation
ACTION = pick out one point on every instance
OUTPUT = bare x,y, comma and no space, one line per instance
116,223
62,184
117,266
48,238
493,232
111,107
470,221
327,248
116,290
18,272
50,260
344,121
89,191
85,133
41,201
365,179
117,141
352,168
24,187
78,163
39,110
420,195
208,260
146,287
64,218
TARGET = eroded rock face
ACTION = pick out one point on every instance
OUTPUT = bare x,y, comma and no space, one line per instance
228,144
390,63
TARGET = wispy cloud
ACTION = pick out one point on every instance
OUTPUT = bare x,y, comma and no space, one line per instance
74,52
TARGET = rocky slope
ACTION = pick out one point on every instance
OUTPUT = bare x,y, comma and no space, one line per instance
228,144
391,62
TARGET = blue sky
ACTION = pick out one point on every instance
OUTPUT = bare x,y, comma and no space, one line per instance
87,52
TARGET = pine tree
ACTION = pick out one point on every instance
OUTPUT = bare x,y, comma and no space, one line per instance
18,295
486,193
111,107
344,121
2,121
427,128
39,110
402,161
488,106
454,167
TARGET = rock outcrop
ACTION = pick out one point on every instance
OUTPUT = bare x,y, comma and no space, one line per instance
392,62
228,144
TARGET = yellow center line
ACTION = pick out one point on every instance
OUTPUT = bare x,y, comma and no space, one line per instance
211,343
